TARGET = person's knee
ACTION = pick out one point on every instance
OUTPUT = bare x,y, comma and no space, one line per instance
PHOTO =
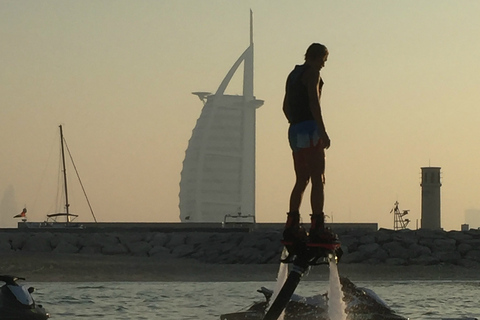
302,182
318,180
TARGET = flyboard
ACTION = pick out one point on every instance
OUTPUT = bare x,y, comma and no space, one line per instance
302,255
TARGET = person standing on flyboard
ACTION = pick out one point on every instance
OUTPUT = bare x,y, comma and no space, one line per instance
308,140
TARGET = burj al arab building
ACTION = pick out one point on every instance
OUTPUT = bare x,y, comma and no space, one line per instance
218,175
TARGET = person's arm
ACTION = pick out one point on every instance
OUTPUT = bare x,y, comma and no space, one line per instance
313,80
286,107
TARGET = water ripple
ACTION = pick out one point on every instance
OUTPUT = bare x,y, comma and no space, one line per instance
207,300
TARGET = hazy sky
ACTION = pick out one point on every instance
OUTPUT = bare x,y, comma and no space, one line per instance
401,92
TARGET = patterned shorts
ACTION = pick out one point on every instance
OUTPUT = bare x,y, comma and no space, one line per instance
303,135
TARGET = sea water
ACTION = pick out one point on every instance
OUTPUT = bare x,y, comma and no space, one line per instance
208,300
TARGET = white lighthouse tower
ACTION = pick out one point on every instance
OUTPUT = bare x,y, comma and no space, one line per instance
431,198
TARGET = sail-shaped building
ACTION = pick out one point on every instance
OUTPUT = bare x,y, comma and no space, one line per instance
218,175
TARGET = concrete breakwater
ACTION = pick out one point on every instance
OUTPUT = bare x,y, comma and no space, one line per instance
406,247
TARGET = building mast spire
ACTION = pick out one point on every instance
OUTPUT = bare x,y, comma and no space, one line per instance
249,119
248,66
251,27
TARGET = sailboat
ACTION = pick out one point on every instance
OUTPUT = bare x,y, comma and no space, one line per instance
63,219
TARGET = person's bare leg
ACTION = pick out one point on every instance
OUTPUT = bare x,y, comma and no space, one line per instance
318,233
317,197
293,230
302,177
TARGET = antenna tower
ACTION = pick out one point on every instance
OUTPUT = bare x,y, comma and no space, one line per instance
399,223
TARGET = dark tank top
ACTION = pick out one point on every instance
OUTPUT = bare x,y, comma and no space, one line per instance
297,93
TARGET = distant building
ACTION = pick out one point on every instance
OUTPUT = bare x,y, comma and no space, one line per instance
431,198
218,175
472,217
8,208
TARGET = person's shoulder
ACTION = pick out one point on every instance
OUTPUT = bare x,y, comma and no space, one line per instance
295,73
297,69
310,74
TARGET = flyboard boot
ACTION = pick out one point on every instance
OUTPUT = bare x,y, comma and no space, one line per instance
322,242
294,237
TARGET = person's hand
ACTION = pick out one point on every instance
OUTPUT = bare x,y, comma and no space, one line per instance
325,140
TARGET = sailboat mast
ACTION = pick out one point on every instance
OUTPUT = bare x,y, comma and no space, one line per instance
67,205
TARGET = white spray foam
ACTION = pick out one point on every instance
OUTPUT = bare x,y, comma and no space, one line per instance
336,305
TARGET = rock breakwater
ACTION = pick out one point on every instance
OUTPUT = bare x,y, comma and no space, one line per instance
406,247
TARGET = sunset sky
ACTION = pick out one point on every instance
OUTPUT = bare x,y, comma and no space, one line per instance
401,92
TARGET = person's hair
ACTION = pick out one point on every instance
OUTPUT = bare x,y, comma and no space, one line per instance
315,50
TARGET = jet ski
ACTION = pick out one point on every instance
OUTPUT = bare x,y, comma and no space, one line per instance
361,304
16,301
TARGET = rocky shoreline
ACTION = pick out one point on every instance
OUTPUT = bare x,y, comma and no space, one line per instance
231,255
382,247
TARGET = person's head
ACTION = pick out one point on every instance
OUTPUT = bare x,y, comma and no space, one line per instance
316,54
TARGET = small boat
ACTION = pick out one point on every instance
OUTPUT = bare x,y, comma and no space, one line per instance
16,301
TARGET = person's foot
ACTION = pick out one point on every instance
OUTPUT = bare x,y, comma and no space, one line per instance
295,240
322,236
294,234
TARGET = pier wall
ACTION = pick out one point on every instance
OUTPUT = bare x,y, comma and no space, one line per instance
246,246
